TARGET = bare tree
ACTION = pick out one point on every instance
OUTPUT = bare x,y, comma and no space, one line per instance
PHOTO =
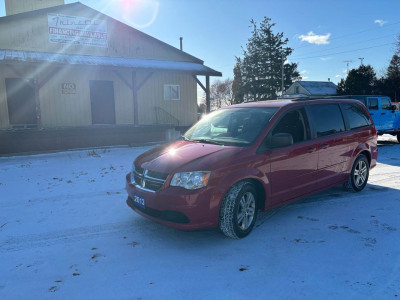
221,92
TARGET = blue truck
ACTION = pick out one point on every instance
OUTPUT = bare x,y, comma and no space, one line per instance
382,111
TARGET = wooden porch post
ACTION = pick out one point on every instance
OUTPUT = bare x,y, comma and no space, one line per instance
208,93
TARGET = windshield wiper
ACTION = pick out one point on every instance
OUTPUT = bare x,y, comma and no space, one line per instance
185,138
205,141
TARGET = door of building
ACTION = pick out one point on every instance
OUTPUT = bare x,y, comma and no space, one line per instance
102,102
21,102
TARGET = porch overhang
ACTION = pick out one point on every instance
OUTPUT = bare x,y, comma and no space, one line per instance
106,61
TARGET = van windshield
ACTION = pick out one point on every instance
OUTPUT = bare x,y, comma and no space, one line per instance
235,127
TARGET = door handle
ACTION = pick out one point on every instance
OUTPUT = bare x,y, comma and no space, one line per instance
324,146
371,114
311,150
383,113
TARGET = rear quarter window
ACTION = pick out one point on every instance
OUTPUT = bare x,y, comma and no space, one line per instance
373,104
327,119
356,115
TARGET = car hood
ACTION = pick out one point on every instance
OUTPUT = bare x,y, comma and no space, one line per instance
181,156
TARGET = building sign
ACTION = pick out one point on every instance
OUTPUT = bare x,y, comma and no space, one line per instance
77,30
68,88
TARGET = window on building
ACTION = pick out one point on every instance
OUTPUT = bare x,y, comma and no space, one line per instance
385,104
296,90
172,92
327,118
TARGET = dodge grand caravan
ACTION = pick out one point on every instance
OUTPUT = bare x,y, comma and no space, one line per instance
250,157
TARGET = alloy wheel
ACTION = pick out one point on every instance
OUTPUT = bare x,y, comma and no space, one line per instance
247,210
360,173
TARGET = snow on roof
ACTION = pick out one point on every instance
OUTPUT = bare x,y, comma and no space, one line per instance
319,87
72,59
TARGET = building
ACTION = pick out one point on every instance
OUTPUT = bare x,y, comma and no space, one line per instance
312,88
71,76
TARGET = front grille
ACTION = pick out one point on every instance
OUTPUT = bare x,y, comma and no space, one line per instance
147,179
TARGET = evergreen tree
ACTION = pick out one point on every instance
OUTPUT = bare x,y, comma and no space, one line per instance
393,79
360,81
237,84
341,87
261,65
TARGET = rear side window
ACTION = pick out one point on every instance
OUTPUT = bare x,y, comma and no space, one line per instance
356,115
327,119
373,103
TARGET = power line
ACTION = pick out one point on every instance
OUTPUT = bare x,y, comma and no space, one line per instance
354,33
354,43
349,51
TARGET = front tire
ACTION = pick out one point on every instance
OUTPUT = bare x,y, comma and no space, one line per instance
358,177
238,211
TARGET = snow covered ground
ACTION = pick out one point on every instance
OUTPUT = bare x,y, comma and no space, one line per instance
66,232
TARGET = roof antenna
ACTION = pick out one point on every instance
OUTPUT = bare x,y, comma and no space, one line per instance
181,38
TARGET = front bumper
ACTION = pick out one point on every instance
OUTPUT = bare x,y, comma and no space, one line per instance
177,207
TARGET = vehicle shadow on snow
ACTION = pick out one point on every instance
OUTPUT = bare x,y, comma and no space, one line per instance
387,143
336,194
385,157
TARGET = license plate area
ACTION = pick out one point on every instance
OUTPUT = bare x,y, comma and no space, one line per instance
139,200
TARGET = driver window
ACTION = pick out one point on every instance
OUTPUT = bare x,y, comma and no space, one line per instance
385,104
295,123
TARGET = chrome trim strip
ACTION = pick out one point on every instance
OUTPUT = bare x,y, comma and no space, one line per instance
154,179
143,189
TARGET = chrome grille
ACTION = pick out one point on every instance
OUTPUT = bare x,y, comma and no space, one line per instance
149,180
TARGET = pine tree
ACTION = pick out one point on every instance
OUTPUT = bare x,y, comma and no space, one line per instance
341,87
360,81
237,84
393,78
261,65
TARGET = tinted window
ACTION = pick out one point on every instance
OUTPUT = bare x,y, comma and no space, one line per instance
356,115
295,123
385,104
327,119
373,103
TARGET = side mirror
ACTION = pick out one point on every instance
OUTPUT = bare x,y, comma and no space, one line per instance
280,140
394,107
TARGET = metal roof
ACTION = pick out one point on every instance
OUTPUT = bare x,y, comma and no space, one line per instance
319,87
107,61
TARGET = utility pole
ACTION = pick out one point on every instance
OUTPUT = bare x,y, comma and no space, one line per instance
362,59
347,62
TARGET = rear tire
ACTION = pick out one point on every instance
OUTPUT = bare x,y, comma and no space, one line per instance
358,177
238,210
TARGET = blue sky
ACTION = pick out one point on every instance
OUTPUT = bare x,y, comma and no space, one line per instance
323,34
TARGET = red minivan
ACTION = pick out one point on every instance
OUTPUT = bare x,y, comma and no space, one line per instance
253,156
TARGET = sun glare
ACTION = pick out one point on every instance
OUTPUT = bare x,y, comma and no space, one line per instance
140,13
172,151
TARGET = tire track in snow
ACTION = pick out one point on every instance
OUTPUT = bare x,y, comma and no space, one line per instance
17,243
58,198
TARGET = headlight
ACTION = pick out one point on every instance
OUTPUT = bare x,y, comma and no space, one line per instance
191,180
